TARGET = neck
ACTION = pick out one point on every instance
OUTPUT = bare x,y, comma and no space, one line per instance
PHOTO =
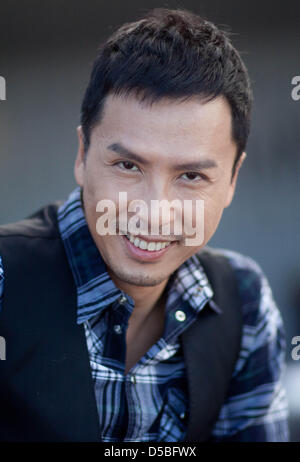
146,298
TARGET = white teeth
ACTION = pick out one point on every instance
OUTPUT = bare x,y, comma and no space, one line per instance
150,246
142,245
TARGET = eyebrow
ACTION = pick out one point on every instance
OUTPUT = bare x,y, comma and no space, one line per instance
199,165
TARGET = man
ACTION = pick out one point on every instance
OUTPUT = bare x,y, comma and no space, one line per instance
165,117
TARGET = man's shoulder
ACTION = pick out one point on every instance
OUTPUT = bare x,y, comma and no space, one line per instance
256,400
253,285
237,260
42,223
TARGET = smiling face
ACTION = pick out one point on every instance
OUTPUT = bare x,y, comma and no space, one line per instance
171,150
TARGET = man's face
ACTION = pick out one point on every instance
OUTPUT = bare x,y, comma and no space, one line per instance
163,137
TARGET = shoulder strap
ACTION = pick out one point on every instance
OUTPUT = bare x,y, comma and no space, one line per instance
211,347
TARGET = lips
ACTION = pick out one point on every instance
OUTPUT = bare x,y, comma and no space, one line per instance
144,254
149,245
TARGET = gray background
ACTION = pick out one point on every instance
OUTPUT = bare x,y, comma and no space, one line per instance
46,51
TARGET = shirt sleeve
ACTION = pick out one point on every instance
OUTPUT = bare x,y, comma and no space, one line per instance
1,282
256,407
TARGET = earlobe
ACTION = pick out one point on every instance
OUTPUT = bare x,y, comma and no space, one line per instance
80,140
79,162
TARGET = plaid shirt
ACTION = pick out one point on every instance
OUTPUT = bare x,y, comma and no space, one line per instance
150,402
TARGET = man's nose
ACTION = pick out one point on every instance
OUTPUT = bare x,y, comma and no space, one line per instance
162,213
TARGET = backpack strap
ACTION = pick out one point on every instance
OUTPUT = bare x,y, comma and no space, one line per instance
211,347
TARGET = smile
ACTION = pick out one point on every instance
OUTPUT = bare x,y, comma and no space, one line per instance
151,246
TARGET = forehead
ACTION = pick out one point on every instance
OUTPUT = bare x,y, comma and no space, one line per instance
168,125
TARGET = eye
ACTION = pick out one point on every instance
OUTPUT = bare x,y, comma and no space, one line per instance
194,176
127,165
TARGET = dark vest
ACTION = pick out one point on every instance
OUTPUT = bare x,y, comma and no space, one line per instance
46,387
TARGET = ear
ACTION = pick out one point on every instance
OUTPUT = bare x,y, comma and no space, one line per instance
232,185
80,159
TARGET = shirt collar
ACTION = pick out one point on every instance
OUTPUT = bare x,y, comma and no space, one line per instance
95,288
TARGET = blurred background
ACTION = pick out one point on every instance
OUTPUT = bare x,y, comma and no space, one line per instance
46,52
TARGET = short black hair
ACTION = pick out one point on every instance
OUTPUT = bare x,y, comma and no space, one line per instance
175,54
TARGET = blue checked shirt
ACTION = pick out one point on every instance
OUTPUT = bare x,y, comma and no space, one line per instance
150,403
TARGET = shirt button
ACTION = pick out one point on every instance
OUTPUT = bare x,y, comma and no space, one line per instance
117,329
122,299
133,379
180,315
182,415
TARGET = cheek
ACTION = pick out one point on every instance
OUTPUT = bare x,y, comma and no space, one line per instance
212,217
96,189
212,212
